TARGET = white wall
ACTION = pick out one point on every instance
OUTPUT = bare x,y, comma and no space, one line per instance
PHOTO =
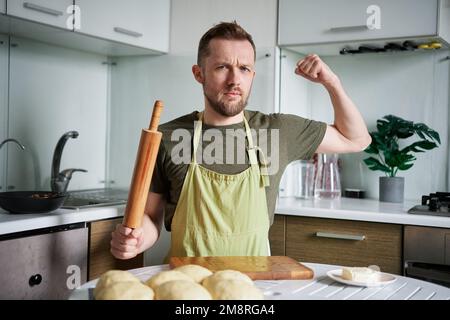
4,44
191,18
138,81
54,90
414,86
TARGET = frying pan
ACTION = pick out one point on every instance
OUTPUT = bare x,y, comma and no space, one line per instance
31,201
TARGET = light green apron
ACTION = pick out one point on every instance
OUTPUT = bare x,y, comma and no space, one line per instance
222,214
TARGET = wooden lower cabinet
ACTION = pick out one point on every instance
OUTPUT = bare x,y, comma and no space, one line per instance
361,244
277,236
100,257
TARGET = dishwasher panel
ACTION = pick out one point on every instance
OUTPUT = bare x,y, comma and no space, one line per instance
43,264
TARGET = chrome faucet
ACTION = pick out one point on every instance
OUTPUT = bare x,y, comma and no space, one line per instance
12,140
60,180
5,142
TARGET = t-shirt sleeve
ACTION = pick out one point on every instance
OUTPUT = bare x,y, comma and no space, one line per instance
303,136
160,183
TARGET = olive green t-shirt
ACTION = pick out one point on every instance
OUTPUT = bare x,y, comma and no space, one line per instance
283,138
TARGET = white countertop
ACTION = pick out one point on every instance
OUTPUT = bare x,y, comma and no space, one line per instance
320,287
360,210
11,223
343,208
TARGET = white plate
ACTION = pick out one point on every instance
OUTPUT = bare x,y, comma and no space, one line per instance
385,278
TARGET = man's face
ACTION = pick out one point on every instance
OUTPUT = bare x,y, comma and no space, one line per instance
227,75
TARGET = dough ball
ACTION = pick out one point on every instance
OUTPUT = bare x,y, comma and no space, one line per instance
196,272
226,274
128,290
181,290
113,276
229,289
164,276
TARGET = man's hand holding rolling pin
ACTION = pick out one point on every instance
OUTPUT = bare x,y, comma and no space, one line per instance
126,243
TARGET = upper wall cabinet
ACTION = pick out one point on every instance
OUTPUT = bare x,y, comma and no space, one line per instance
2,6
304,22
141,23
107,27
51,12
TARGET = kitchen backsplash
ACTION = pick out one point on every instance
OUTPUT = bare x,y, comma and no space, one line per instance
414,86
53,90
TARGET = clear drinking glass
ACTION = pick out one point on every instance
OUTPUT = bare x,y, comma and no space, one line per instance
305,179
327,183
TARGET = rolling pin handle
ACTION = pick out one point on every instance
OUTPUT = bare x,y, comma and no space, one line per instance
157,109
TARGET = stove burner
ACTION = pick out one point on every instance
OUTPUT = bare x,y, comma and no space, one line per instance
434,204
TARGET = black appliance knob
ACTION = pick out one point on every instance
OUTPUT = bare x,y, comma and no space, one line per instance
434,203
35,280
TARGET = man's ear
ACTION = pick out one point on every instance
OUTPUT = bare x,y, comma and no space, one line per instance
197,72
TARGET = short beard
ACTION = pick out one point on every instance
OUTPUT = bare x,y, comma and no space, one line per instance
225,111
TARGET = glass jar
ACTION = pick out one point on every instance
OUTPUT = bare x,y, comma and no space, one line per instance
305,179
327,183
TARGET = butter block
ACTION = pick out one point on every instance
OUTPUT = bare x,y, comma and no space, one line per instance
360,274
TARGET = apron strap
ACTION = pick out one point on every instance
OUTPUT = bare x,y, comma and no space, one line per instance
197,135
255,153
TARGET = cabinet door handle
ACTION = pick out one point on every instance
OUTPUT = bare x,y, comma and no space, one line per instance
128,32
349,28
342,236
42,9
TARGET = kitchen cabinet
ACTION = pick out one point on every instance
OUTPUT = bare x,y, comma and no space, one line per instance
100,257
43,264
3,6
49,12
325,21
341,242
277,236
139,23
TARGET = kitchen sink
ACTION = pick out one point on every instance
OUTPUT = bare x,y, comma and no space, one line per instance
95,198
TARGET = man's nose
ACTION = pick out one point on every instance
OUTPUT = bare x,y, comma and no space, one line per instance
234,77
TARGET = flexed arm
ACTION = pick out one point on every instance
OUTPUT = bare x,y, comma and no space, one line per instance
348,133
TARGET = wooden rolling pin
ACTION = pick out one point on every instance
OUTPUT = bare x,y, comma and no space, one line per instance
143,170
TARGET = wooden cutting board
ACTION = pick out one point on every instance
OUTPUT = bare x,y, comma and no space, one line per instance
256,267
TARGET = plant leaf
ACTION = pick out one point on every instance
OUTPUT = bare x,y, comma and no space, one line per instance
424,144
405,166
375,165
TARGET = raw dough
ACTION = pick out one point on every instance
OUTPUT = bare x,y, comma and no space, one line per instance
181,290
125,290
226,274
113,276
196,272
164,276
229,289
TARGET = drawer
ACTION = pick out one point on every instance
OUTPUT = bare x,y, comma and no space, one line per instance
344,242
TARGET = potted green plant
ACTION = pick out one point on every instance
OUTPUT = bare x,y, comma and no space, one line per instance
391,158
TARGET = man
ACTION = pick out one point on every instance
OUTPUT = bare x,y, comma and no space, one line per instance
223,208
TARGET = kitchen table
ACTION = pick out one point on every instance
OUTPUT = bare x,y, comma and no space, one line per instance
321,287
